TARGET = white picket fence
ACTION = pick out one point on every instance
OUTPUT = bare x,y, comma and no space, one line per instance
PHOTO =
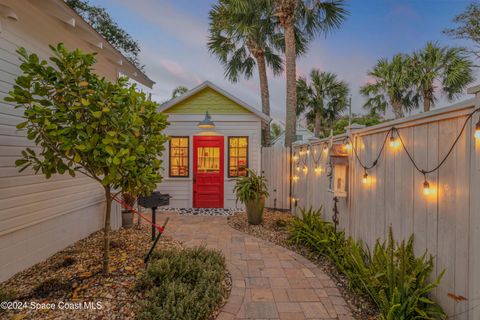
276,169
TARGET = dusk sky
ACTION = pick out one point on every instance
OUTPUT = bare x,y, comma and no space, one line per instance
173,36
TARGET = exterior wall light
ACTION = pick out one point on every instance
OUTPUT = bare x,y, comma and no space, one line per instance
206,123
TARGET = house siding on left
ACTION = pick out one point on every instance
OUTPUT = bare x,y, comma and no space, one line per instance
38,217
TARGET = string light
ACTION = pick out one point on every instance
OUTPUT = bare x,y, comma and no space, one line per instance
365,177
305,169
298,167
325,149
348,144
308,151
318,170
295,178
477,130
426,188
394,143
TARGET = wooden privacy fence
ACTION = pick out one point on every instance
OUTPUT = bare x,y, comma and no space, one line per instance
276,169
446,221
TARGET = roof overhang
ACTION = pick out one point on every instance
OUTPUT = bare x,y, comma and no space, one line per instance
81,29
208,84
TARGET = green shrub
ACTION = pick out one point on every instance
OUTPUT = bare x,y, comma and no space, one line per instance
315,233
391,275
182,284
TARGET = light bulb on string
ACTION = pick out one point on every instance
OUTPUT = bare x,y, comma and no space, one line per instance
394,142
298,167
295,178
295,157
318,169
308,151
426,188
305,169
325,149
348,144
365,177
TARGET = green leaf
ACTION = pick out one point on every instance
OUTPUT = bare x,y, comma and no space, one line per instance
97,114
110,150
20,162
85,102
22,125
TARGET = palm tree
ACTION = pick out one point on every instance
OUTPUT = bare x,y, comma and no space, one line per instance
243,36
308,18
322,100
448,67
392,86
178,91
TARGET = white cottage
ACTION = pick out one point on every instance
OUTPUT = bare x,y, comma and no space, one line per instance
214,138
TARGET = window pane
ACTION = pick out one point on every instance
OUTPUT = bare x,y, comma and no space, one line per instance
238,156
208,159
179,156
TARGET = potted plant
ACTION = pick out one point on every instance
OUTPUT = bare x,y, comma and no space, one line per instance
251,190
127,215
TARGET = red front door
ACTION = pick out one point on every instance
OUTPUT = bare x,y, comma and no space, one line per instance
208,172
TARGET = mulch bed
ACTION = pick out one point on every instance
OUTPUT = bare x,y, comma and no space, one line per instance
273,229
74,276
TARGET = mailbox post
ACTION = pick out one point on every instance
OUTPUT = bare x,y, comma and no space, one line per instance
155,200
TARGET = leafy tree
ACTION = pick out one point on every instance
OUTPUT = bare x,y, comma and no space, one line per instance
447,66
322,100
392,86
307,18
82,123
101,21
339,127
178,91
468,27
243,37
275,130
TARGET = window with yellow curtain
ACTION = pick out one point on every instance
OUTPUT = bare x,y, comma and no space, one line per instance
237,156
179,153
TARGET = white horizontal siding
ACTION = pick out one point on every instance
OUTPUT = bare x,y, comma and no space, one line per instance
39,216
225,125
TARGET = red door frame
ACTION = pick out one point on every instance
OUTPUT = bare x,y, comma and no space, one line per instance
208,188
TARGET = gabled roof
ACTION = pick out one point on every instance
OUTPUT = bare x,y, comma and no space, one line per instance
208,84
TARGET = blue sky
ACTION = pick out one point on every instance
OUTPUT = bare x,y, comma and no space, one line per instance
173,33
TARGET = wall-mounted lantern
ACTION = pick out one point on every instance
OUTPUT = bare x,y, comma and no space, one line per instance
206,123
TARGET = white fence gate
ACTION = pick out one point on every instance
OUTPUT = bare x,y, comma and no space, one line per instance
276,169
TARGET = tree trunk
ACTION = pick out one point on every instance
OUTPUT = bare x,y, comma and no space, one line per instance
426,101
397,109
262,74
318,124
106,231
291,69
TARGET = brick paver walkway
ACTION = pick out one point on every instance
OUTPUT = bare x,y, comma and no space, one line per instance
268,281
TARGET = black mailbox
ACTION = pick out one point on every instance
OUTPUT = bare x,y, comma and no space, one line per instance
155,200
